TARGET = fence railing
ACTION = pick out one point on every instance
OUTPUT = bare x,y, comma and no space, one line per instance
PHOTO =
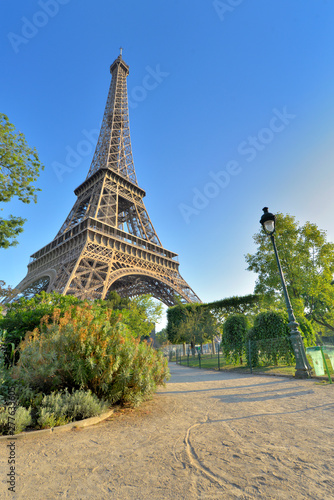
261,356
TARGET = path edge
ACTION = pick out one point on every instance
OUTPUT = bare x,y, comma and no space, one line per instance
61,428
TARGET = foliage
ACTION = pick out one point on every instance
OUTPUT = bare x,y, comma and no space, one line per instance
162,337
270,335
223,308
234,334
84,350
219,309
6,382
6,292
19,169
191,323
307,331
141,315
177,315
22,417
26,315
252,352
60,408
52,410
115,301
307,261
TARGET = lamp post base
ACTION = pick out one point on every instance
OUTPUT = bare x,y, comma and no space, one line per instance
302,373
303,368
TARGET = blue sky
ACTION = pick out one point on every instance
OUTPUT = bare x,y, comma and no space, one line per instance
241,117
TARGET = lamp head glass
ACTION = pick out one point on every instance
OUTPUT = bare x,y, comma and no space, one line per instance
268,221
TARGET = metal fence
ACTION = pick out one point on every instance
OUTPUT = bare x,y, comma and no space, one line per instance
273,356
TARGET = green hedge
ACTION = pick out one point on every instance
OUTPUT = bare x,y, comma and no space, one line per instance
270,336
234,333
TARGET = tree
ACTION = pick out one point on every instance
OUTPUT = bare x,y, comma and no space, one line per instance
141,314
6,292
191,323
19,169
307,261
162,337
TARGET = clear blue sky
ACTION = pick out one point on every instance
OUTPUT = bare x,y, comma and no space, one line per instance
242,90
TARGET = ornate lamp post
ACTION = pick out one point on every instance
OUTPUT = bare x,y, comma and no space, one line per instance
303,368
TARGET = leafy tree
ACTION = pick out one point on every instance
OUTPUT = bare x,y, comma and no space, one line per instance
141,314
307,261
177,315
162,337
6,292
234,334
115,301
307,331
19,169
192,324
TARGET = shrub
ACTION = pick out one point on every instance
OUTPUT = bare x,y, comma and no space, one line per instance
62,407
83,350
6,381
234,334
271,337
252,352
22,418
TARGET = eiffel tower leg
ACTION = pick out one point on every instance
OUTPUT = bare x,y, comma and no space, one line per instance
62,281
72,275
107,281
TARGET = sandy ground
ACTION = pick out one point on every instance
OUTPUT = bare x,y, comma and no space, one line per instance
206,435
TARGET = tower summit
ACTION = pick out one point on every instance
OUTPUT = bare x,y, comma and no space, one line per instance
108,241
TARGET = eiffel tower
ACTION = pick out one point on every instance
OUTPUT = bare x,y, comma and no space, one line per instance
108,241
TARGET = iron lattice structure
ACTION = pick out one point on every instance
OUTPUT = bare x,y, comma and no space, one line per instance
108,241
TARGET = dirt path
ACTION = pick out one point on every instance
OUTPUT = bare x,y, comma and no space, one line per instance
206,435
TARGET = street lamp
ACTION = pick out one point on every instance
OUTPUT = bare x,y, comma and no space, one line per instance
303,368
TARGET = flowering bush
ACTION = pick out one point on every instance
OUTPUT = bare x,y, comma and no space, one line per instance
89,348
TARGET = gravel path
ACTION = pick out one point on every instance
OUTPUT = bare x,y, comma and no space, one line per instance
206,435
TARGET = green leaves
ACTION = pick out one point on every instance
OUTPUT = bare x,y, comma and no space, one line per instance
234,334
270,336
184,319
191,323
9,230
19,169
